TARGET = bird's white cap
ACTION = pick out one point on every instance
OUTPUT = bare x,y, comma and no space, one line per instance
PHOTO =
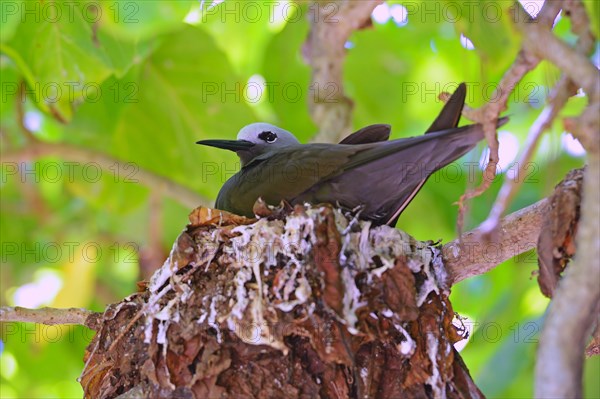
265,133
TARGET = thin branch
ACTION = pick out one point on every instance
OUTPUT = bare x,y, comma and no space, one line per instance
72,153
593,348
472,254
487,116
542,42
332,23
558,98
50,316
36,148
489,113
152,255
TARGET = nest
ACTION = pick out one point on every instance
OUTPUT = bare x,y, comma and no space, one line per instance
303,302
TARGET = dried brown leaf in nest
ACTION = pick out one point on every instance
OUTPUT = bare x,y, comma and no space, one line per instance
301,303
203,216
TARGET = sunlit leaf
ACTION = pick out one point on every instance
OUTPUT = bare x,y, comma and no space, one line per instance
138,20
489,26
187,91
288,77
63,55
79,274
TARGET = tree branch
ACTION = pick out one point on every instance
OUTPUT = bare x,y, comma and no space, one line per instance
473,254
36,148
51,316
39,149
332,23
544,44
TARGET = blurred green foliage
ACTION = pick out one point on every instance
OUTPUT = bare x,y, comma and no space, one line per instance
141,81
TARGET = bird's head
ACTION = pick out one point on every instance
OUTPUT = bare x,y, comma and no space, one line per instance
253,140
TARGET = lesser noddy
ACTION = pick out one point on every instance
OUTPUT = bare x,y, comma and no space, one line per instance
363,171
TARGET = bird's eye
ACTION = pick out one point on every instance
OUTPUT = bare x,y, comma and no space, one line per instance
267,136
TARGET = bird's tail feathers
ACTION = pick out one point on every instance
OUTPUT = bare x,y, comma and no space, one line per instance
450,114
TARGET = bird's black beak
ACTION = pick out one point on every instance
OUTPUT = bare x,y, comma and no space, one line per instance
231,145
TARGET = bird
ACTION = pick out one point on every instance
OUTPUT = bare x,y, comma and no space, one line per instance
364,171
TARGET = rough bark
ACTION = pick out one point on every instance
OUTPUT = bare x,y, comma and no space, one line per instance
556,243
299,303
473,253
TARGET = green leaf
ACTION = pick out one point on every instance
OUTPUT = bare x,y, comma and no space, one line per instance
61,51
488,24
395,80
138,20
513,355
229,21
94,124
187,92
377,68
288,79
124,54
9,82
116,191
10,16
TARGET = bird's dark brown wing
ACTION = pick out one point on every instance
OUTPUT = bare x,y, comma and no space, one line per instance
369,134
385,176
283,174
